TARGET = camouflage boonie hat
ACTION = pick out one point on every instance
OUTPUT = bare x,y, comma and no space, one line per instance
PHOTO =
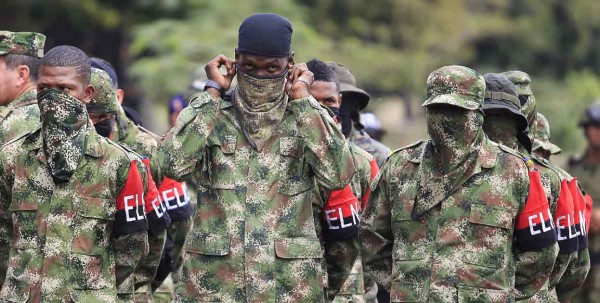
541,136
521,80
591,116
22,43
105,99
348,85
455,85
501,94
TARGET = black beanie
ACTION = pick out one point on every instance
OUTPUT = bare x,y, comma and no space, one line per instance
266,35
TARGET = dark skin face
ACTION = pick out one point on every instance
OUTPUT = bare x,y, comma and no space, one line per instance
263,66
65,79
326,93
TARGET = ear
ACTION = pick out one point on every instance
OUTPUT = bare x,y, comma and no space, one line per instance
237,55
88,94
23,72
341,99
120,95
291,58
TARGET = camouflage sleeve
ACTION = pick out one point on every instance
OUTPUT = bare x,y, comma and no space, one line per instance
572,280
535,244
5,224
180,152
376,236
328,153
340,258
130,233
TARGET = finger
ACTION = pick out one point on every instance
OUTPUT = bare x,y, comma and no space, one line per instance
228,65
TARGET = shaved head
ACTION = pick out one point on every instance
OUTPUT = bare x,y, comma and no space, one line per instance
69,56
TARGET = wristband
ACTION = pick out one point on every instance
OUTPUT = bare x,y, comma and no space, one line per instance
215,85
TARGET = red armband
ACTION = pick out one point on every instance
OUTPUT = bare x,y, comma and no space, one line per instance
158,219
565,220
176,199
580,217
130,216
589,204
535,227
341,214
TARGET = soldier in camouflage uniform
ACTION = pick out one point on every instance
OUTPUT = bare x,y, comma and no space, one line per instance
102,110
449,217
355,100
586,167
257,154
342,207
542,146
506,124
20,54
73,198
528,102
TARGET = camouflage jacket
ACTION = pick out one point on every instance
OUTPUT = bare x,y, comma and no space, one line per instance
588,175
352,289
372,146
22,116
425,245
76,241
254,238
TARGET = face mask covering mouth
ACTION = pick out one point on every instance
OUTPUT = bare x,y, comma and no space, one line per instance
455,134
64,128
105,127
260,102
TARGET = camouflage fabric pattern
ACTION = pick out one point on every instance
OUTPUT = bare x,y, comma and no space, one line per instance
254,237
62,248
541,136
22,43
64,128
522,82
22,116
379,151
105,100
455,85
352,288
458,250
502,129
587,173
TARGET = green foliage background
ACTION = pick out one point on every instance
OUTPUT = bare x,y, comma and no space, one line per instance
390,45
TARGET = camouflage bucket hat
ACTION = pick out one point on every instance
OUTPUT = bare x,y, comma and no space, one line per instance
455,85
521,80
105,99
22,43
348,85
541,136
500,94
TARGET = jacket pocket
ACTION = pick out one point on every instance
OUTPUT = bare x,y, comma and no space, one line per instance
294,179
468,294
207,266
92,227
406,291
490,236
23,209
221,162
108,295
301,256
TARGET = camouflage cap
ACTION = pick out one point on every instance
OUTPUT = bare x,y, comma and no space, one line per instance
348,85
105,99
500,94
541,136
22,43
591,116
455,85
521,80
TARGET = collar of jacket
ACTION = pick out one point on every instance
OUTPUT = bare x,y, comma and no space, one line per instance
92,145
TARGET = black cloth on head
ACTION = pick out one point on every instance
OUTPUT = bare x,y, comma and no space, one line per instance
266,35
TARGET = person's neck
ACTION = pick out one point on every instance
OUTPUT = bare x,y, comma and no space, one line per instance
25,88
592,155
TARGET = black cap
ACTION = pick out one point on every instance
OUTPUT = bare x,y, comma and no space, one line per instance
266,35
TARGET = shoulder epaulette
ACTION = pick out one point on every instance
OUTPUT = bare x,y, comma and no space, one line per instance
17,138
355,148
132,155
412,145
200,99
